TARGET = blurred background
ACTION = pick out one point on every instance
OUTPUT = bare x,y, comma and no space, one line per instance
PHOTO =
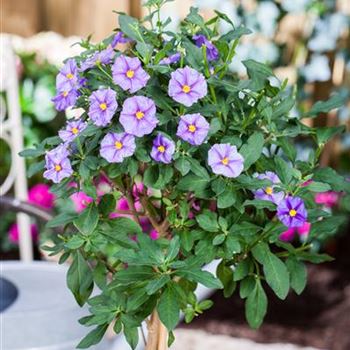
305,41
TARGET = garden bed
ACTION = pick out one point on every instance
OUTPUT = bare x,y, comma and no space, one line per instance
318,318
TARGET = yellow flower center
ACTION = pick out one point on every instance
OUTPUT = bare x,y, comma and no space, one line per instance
224,161
64,93
118,145
130,73
186,89
58,168
98,61
69,75
192,128
292,213
161,149
139,115
103,106
75,131
268,190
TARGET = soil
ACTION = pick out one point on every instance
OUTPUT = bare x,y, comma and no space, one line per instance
320,317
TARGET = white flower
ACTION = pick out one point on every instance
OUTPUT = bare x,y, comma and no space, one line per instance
317,69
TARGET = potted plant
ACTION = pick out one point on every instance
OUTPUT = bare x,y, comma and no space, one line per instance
200,166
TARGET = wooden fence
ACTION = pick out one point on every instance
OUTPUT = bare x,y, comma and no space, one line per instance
67,17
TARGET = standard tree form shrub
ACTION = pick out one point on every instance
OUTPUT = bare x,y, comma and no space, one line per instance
201,166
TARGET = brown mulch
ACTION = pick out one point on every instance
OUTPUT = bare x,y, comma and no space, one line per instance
320,317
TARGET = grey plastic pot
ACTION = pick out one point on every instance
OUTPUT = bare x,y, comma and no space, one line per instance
44,315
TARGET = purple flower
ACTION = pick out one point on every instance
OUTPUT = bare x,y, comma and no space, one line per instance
128,73
68,74
268,193
119,38
57,164
291,212
225,160
171,59
100,57
115,147
103,105
138,116
72,130
65,98
212,51
187,86
163,149
193,128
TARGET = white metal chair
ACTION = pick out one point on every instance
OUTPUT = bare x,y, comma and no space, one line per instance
12,133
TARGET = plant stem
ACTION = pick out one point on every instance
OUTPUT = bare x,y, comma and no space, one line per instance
152,327
162,337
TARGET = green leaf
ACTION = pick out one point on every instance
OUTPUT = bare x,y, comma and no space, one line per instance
258,73
225,274
32,152
235,33
131,336
79,278
226,199
252,149
87,220
256,306
156,284
199,276
316,186
326,133
94,337
74,242
260,204
246,286
314,257
107,204
124,226
276,273
62,220
168,309
157,176
335,101
284,107
208,221
298,274
136,299
192,183
130,27
330,176
183,166
197,169
132,274
35,168
218,239
241,270
283,170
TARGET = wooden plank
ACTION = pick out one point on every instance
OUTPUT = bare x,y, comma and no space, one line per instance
20,17
83,17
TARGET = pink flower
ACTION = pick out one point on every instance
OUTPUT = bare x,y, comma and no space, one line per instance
123,204
328,199
302,231
13,232
154,235
81,200
288,235
40,195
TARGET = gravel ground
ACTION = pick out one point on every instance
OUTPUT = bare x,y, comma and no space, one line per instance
189,339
